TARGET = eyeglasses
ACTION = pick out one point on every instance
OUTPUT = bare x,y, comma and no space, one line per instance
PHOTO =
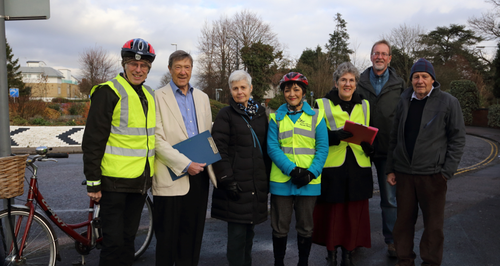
135,65
377,54
343,81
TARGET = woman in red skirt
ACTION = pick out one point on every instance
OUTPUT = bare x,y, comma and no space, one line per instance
341,215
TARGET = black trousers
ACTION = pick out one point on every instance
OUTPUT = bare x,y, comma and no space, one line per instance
179,222
239,244
120,216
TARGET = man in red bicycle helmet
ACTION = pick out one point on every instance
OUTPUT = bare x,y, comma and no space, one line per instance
118,151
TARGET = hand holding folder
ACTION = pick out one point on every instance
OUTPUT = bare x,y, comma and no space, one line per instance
200,149
360,133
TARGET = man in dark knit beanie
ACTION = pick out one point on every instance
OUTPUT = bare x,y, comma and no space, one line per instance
426,145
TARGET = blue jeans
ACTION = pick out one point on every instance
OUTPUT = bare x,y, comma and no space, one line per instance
387,201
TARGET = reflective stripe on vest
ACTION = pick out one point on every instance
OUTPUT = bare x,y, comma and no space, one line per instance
298,142
129,152
302,132
329,114
336,118
132,140
123,128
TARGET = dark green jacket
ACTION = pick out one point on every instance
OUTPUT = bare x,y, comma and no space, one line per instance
382,107
440,141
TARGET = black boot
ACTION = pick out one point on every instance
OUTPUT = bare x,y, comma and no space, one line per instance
279,249
346,258
304,244
331,260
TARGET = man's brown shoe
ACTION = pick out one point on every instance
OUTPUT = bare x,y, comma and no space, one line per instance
391,251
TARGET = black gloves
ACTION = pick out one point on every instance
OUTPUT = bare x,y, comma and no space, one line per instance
367,148
232,189
297,172
303,180
335,136
301,176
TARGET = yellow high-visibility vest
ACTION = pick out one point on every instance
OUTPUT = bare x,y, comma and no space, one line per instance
335,119
132,138
298,142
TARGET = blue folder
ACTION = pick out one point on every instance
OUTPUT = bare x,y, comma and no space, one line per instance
200,149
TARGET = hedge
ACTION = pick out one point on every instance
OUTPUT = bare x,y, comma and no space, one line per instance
494,116
467,94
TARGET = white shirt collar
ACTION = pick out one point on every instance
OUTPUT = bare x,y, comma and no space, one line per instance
414,95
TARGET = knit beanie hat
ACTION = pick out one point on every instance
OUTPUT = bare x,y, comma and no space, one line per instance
423,65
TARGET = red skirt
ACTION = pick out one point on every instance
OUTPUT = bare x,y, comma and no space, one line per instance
342,224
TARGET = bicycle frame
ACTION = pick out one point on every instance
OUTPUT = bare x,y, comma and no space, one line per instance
68,229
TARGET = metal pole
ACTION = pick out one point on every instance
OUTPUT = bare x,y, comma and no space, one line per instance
5,149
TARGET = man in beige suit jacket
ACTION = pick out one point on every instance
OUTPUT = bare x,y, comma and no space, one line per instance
180,206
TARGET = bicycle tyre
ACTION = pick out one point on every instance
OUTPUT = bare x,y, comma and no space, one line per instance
144,233
40,247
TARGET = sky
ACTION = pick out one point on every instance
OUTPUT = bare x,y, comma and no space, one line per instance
78,25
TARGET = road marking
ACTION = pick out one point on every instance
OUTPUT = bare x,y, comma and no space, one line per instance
493,154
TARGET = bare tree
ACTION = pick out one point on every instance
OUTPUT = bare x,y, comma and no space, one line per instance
361,63
249,28
487,25
97,66
40,87
406,38
405,43
165,79
215,58
220,44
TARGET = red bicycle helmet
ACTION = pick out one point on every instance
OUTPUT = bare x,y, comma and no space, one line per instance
294,77
138,49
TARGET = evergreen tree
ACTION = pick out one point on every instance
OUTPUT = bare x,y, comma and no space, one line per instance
445,43
14,76
449,50
400,62
315,65
337,48
308,61
260,61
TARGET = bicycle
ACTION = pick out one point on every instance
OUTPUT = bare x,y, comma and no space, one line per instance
35,237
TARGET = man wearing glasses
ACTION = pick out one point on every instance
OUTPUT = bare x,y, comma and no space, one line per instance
382,87
118,151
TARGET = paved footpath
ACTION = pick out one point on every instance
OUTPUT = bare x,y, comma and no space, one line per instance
472,234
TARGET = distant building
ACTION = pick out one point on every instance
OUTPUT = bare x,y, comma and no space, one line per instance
47,83
270,94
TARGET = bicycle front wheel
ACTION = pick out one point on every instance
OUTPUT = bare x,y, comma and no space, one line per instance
145,231
40,245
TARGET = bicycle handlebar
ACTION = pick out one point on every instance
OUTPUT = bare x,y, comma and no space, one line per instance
57,155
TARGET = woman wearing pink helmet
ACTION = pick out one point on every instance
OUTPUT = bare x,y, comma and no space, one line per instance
297,143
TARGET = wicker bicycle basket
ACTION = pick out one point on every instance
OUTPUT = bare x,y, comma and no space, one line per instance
12,176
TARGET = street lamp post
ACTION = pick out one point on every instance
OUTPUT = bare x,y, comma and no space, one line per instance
237,52
175,46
